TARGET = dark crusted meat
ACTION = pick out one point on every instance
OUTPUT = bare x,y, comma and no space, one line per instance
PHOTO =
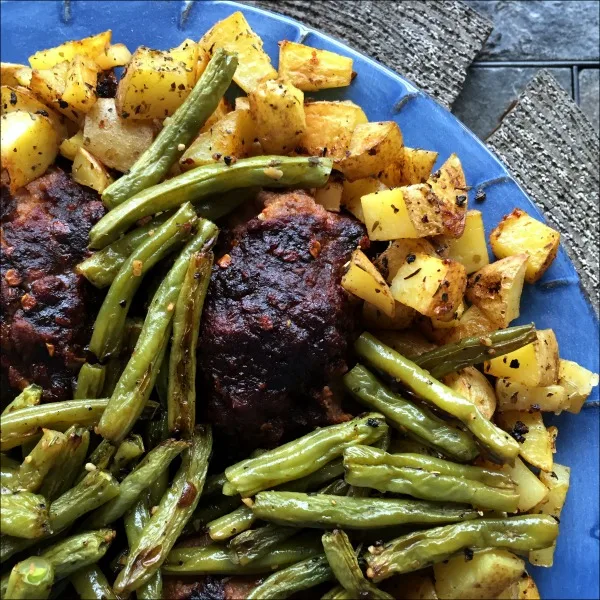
208,588
277,323
47,308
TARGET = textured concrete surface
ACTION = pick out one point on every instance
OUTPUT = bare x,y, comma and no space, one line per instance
589,93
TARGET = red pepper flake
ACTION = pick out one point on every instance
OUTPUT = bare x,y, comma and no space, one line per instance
12,277
28,301
224,261
315,248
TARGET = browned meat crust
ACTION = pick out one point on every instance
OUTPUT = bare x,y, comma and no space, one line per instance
208,588
277,323
47,308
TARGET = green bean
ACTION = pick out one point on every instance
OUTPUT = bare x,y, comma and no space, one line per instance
324,511
212,179
295,578
344,564
251,545
337,593
129,450
100,457
24,515
90,381
219,205
498,442
91,584
9,473
30,396
420,549
30,579
181,394
216,559
147,472
214,509
108,331
167,522
46,453
475,350
241,519
178,131
214,484
406,416
137,380
302,456
337,487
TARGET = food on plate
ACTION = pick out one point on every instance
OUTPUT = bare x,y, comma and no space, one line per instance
255,346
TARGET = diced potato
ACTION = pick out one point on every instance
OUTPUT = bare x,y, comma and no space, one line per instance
330,195
473,322
117,55
453,322
23,76
49,85
242,103
413,166
375,318
353,191
577,381
547,349
474,386
278,109
396,254
310,69
69,147
557,481
372,147
408,343
432,286
523,589
363,280
411,586
116,142
329,127
235,35
80,84
450,187
89,171
8,73
531,433
497,288
231,137
29,145
482,577
90,47
517,233
222,109
530,489
516,396
470,248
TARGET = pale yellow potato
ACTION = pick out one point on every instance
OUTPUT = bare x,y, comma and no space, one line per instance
310,69
277,108
375,318
486,575
372,147
547,349
330,195
29,145
49,85
395,255
530,489
69,147
8,73
23,76
353,191
409,343
89,171
470,248
474,386
413,166
90,47
577,381
473,322
449,185
117,55
363,280
235,35
453,322
517,233
516,396
80,84
523,589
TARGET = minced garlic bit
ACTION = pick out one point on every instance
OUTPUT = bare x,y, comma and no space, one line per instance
273,173
224,261
170,307
248,502
90,467
181,147
137,268
153,510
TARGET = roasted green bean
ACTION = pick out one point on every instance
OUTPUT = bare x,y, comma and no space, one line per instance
30,579
241,519
129,450
90,381
46,453
423,548
499,443
251,545
90,583
30,396
24,515
9,473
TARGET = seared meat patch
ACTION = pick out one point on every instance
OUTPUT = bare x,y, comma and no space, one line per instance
47,308
277,323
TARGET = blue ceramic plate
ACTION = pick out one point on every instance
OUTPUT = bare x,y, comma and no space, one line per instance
557,301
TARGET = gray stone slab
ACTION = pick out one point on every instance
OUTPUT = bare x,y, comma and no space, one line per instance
488,93
552,150
430,43
589,95
541,30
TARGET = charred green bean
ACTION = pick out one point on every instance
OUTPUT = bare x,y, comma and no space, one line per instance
251,545
24,515
90,381
30,396
90,583
46,453
30,579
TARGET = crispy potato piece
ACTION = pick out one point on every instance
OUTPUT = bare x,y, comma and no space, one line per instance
530,489
278,110
413,166
470,248
497,288
23,76
88,170
80,84
407,343
8,73
29,145
330,195
517,233
474,386
529,430
473,322
516,396
453,322
547,349
431,286
557,481
222,109
374,318
310,69
523,589
363,280
116,142
395,255
372,147
117,55
235,35
90,47
68,148
483,577
353,191
578,383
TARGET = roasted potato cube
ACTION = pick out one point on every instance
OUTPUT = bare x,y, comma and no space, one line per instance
29,145
547,349
516,396
114,141
453,322
411,586
472,322
517,233
474,386
68,148
523,589
372,147
80,84
117,55
310,69
90,47
278,110
413,166
529,430
449,185
330,195
530,489
375,318
431,286
222,109
470,248
363,280
235,35
557,481
483,577
395,255
353,191
88,170
497,288
409,343
329,128
23,76
577,382
8,74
